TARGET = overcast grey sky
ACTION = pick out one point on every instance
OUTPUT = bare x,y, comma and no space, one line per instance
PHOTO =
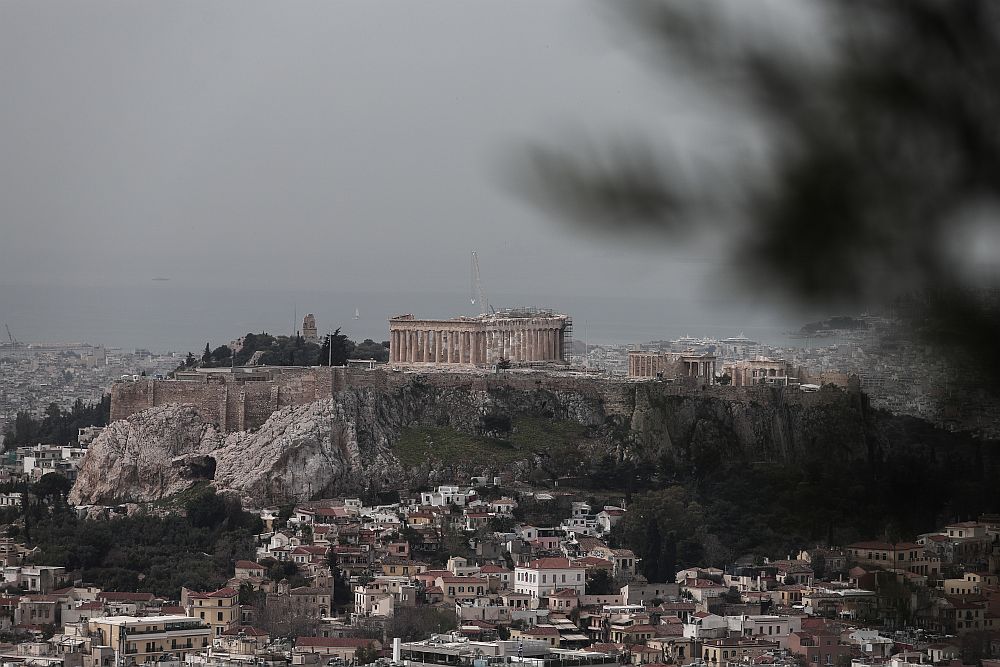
349,144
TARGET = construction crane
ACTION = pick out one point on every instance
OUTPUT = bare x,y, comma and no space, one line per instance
476,287
13,341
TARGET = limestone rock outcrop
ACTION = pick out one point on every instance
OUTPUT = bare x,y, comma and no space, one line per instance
345,444
133,459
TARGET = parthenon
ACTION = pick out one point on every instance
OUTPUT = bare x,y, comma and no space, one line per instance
521,337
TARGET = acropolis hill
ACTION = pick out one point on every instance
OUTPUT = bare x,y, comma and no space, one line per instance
243,398
279,434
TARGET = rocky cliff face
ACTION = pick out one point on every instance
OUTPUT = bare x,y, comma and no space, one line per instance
144,458
346,445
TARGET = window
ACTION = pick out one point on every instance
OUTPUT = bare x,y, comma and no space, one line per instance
220,616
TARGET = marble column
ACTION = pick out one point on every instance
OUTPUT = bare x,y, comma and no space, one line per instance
425,352
437,346
461,347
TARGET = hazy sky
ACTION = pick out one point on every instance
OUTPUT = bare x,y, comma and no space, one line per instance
352,145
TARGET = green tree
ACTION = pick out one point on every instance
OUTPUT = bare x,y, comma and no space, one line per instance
52,486
365,655
335,350
207,509
600,583
206,356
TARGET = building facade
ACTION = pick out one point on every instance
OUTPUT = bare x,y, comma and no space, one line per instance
145,639
548,575
760,370
672,365
523,337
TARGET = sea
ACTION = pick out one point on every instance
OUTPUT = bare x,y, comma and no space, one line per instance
161,317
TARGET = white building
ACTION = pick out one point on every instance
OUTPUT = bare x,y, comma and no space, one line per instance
446,495
547,575
765,625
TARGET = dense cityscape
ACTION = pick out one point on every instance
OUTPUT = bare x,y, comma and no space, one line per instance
492,334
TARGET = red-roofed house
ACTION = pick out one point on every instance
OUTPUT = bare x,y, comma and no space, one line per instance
541,632
247,569
462,589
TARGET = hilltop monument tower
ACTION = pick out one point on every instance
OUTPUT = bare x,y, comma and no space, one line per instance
309,329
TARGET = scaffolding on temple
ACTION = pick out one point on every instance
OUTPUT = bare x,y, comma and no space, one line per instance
567,342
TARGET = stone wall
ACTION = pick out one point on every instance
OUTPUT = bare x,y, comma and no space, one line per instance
230,404
236,406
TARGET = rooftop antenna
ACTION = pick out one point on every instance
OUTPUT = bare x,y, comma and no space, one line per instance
476,286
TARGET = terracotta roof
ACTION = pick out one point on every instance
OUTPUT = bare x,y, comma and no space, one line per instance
332,511
463,580
640,628
226,592
249,565
541,631
563,593
884,546
551,564
315,551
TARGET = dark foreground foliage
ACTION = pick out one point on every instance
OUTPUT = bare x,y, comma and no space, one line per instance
58,426
145,552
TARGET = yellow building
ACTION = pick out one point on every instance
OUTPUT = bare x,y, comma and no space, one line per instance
145,639
220,609
395,568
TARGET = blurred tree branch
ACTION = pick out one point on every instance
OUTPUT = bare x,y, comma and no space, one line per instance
883,140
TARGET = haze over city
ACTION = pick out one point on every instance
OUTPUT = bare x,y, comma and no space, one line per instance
463,333
337,157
